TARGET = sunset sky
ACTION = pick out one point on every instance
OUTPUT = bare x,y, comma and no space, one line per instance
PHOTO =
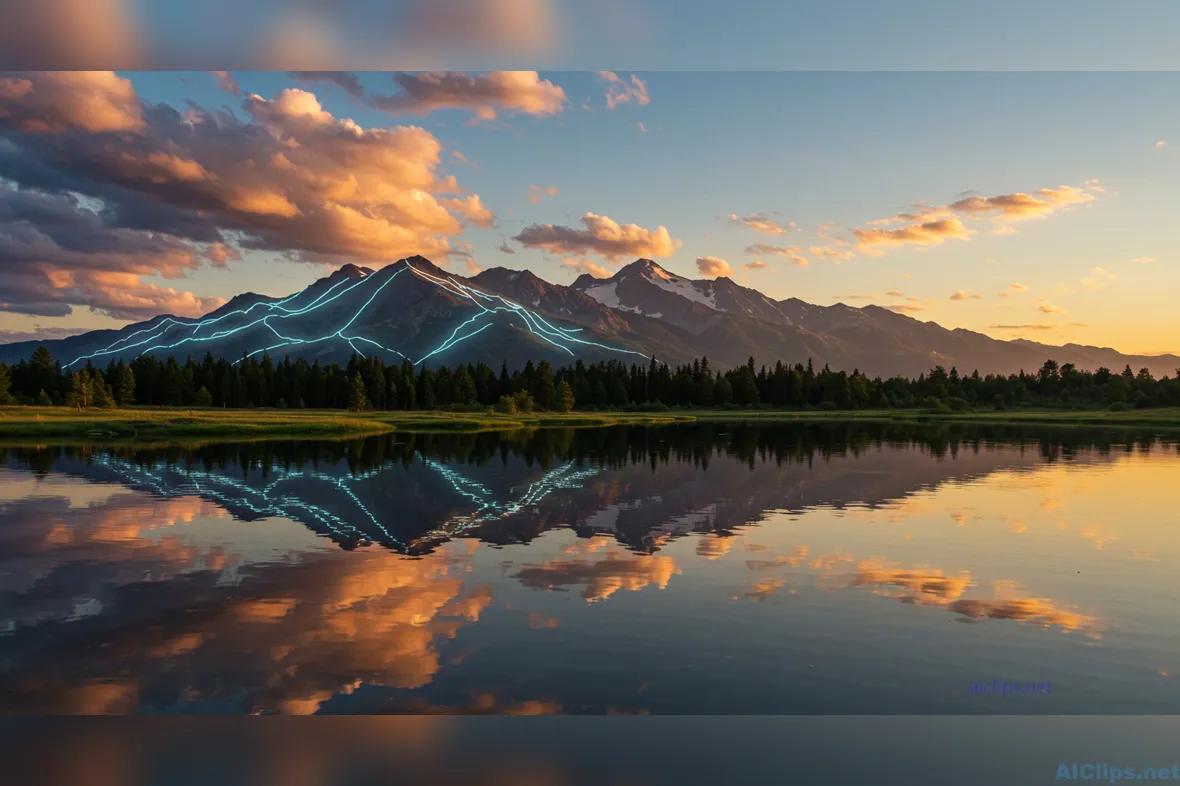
1033,205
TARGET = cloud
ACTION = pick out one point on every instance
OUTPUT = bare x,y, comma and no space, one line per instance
484,95
57,254
620,91
39,333
1020,206
1041,326
601,235
291,178
1017,287
538,193
160,189
760,223
582,265
894,293
601,576
792,253
471,208
226,82
855,297
968,295
345,80
1160,145
55,102
906,308
714,267
1097,279
930,225
221,254
757,264
1144,260
1048,308
507,249
930,233
829,252
642,128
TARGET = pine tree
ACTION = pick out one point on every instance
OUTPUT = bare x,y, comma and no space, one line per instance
5,385
79,395
124,385
565,396
358,400
203,397
100,392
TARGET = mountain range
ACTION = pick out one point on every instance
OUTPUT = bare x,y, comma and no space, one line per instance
413,310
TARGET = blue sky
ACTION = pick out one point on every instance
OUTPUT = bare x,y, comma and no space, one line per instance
815,149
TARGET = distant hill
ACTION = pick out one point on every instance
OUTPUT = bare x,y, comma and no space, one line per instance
412,310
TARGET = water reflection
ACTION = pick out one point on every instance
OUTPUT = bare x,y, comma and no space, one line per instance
689,569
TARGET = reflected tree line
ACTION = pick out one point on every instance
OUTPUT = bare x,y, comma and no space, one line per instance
614,447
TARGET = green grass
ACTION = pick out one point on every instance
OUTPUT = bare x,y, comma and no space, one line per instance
144,424
61,424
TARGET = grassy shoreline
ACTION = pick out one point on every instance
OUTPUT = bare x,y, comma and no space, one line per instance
159,424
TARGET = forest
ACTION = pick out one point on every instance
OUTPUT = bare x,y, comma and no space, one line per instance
368,383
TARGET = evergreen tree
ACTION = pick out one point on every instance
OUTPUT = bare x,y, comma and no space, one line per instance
565,396
5,385
203,398
124,385
358,400
79,393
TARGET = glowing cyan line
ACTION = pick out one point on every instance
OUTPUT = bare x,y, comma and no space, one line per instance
488,304
268,501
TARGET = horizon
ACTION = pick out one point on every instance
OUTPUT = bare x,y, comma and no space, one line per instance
131,195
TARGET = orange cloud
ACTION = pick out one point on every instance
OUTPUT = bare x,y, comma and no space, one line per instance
828,252
484,95
1023,327
53,102
601,576
793,253
537,193
961,295
1019,206
226,82
903,308
603,236
620,91
713,267
931,233
757,264
582,265
760,223
1048,308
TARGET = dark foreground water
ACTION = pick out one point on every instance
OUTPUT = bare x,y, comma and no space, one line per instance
702,569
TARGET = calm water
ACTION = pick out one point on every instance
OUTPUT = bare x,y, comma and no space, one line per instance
703,569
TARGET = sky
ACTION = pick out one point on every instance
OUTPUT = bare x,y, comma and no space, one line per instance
1017,204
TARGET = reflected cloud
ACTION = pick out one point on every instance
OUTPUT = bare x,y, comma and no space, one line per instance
600,574
930,587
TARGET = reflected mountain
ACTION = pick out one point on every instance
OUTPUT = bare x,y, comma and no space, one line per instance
642,485
689,569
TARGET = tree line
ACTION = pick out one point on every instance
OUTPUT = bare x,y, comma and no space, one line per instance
369,383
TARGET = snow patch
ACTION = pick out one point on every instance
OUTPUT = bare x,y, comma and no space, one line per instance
687,289
607,295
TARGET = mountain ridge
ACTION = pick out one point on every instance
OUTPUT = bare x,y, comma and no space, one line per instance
413,310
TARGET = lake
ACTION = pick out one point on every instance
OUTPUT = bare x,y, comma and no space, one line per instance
703,569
